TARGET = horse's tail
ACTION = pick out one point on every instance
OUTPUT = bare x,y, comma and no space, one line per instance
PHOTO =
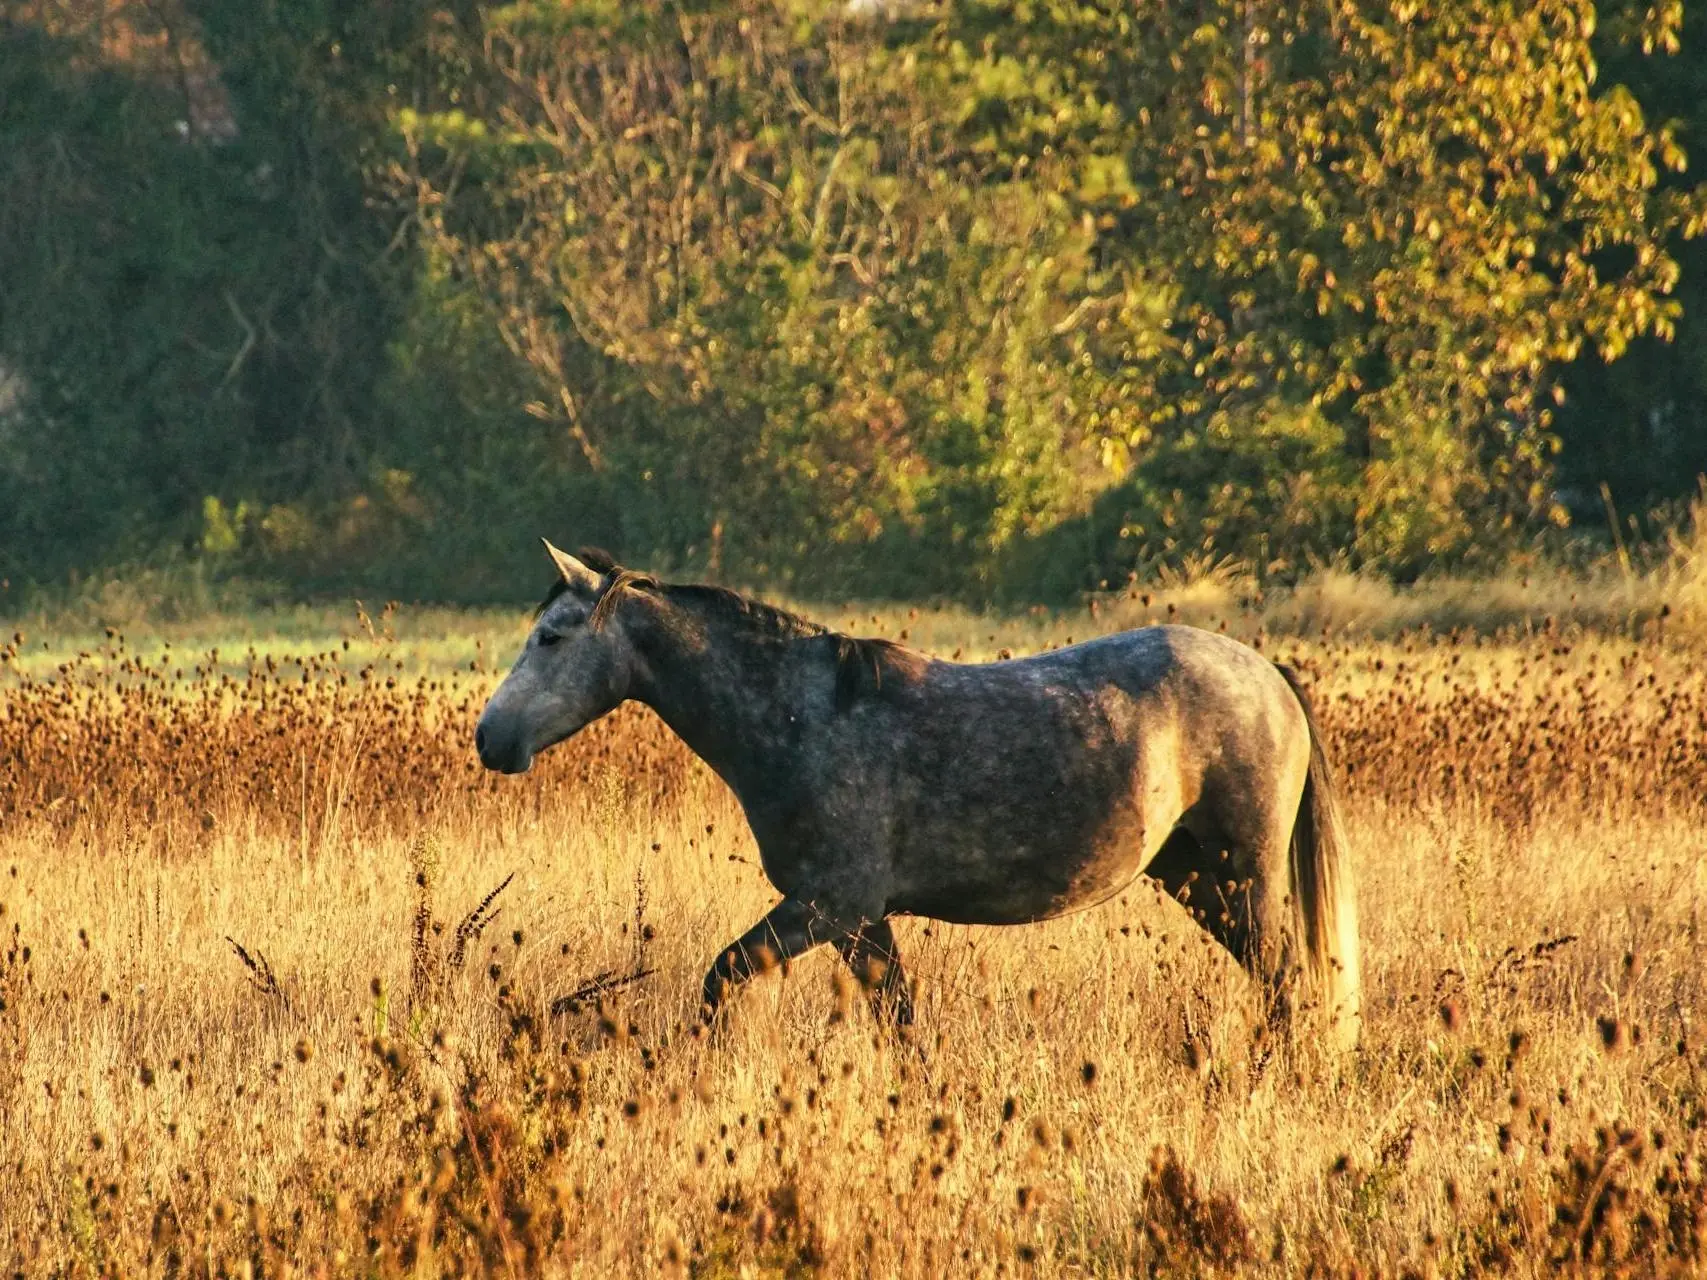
1322,890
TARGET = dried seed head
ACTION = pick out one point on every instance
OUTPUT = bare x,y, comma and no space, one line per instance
1614,1035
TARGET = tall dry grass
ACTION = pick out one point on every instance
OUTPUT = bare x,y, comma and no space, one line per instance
274,1003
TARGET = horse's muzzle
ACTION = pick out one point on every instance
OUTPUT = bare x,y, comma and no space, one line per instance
501,756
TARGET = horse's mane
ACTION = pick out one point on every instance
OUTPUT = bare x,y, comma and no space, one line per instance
743,612
864,666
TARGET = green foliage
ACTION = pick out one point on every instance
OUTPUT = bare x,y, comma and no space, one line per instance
190,305
1295,281
113,327
1255,490
1402,216
1639,423
857,342
984,298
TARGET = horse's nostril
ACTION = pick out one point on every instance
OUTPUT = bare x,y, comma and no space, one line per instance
480,740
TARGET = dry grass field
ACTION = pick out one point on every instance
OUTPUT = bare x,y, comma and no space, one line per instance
288,986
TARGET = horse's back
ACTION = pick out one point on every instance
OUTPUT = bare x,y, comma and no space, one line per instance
1019,789
1154,679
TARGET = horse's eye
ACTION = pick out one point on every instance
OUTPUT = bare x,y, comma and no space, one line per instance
548,638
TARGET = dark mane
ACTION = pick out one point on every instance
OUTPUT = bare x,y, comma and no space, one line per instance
865,667
598,560
724,605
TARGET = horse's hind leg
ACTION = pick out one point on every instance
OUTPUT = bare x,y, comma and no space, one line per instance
1197,873
1234,886
871,953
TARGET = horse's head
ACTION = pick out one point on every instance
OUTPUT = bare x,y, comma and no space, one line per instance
575,667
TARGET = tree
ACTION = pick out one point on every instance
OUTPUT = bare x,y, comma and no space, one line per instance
196,302
755,269
1394,220
1638,422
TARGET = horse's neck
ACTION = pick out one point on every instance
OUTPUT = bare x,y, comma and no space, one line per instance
733,709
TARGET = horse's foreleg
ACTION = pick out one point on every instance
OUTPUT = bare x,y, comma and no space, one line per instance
871,953
791,929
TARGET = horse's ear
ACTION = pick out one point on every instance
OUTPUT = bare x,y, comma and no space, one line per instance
576,574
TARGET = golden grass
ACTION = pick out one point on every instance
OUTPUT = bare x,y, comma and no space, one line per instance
350,1095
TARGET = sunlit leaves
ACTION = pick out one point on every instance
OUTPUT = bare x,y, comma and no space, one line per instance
954,273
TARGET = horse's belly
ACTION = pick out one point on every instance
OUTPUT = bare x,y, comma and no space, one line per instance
1019,885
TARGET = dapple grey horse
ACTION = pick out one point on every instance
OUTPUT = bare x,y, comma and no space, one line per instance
881,782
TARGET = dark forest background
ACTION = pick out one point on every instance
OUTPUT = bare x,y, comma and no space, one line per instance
991,299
